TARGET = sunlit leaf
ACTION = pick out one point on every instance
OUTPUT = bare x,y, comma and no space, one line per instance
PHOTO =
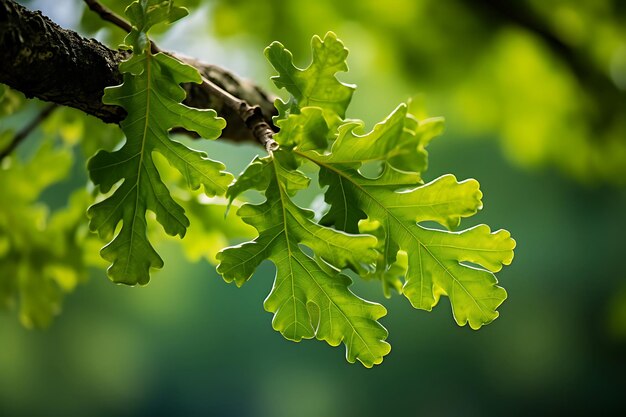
398,201
309,298
315,85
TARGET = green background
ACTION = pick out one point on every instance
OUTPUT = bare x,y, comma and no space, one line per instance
189,344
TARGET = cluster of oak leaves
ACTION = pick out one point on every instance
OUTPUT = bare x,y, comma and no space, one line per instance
371,224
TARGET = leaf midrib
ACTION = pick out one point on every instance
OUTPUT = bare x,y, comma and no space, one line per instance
347,320
146,126
389,213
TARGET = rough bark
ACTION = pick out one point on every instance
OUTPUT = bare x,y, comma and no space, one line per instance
43,60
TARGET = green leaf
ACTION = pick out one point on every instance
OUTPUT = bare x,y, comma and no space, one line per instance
376,219
144,14
307,128
391,277
315,85
394,203
309,298
152,96
398,201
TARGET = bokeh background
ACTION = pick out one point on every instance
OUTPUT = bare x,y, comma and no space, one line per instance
534,97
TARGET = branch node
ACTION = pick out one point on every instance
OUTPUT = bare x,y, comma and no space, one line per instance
262,131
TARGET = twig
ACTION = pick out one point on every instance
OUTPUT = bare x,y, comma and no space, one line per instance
109,15
23,134
252,116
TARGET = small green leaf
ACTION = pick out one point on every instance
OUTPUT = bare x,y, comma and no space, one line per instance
307,128
315,85
143,14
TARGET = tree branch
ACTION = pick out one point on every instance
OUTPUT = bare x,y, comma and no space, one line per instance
109,15
252,116
26,130
43,60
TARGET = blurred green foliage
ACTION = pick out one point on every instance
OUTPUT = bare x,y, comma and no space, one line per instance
41,254
183,345
547,78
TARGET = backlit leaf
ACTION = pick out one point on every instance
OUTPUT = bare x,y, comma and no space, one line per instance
152,96
309,298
